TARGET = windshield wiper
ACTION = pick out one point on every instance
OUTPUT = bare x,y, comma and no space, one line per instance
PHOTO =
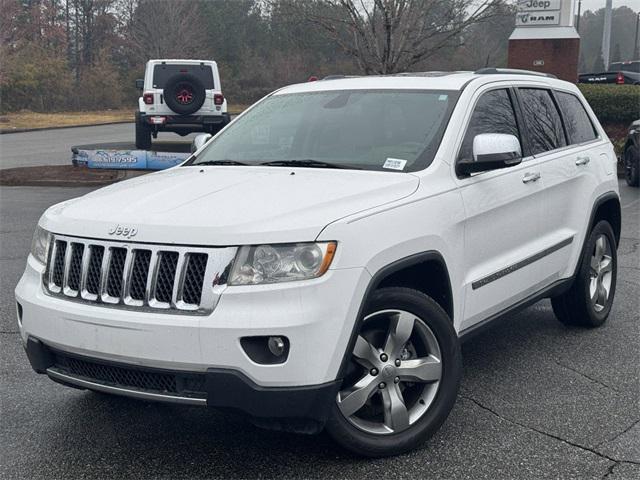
304,163
219,162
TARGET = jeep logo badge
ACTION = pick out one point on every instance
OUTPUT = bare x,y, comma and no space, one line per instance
123,231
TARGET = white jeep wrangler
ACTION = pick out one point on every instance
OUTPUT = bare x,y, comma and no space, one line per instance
319,261
180,96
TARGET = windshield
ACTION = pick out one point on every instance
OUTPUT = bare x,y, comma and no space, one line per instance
391,130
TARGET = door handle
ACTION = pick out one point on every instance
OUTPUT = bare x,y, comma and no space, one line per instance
531,177
582,161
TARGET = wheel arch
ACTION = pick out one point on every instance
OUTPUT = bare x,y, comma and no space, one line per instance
607,207
404,273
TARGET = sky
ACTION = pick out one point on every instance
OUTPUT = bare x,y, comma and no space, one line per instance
597,4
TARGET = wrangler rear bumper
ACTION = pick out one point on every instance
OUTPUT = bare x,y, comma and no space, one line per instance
192,122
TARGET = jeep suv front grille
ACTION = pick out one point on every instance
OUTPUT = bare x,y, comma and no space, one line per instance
159,277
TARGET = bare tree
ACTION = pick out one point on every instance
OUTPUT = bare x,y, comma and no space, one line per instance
389,36
167,29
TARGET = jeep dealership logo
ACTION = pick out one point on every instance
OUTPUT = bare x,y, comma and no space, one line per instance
123,231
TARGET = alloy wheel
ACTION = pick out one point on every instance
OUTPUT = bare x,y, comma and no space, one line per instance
395,375
601,273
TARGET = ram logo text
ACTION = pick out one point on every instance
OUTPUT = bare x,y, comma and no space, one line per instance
123,231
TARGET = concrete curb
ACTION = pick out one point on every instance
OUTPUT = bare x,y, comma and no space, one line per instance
6,131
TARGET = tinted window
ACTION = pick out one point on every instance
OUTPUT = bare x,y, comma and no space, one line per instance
544,127
576,120
162,73
390,130
493,114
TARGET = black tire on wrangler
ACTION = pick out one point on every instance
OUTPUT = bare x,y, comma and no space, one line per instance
184,93
632,165
143,134
588,302
384,426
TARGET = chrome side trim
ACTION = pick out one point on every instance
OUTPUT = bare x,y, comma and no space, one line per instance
127,392
481,282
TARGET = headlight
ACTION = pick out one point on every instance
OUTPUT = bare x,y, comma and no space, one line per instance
40,244
281,263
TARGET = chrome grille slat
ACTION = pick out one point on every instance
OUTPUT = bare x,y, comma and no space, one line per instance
138,276
178,280
84,269
151,279
68,254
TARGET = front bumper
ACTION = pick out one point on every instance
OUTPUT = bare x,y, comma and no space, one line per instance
316,316
218,388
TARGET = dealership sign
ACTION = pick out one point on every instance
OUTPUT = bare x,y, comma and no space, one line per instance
126,159
538,5
525,19
533,13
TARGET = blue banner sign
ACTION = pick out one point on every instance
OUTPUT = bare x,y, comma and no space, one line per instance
127,159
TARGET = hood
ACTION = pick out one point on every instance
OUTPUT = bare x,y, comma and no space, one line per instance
227,205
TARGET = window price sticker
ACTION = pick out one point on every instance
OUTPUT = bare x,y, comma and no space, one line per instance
394,163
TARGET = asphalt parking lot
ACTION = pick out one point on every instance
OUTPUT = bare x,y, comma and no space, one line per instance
538,400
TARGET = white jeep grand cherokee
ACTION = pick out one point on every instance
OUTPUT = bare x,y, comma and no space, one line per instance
318,262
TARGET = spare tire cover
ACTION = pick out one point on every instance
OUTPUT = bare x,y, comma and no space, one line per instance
184,93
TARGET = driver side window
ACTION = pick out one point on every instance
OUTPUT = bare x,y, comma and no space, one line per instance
493,114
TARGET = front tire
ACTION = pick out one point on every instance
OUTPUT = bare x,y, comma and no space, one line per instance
403,376
588,302
143,134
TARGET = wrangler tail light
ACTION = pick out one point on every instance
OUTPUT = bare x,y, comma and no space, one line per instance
620,78
218,99
148,98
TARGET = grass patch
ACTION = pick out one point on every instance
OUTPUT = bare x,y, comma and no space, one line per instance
29,120
34,120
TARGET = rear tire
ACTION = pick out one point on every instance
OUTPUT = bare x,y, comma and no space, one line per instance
632,165
588,302
143,134
411,385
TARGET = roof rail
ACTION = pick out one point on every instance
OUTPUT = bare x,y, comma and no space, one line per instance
339,76
511,71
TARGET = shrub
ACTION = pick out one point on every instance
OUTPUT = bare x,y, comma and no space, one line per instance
34,79
613,104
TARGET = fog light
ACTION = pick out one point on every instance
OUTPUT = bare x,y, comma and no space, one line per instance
266,350
276,346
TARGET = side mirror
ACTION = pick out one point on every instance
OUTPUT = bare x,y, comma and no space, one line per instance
140,83
199,141
491,151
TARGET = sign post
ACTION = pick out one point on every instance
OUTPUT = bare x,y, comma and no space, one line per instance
545,38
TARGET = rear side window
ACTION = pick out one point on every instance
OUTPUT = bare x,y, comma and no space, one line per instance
576,119
493,114
544,126
162,73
